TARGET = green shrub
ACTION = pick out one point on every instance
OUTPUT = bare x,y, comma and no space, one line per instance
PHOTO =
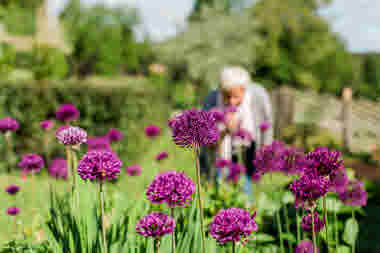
18,20
7,58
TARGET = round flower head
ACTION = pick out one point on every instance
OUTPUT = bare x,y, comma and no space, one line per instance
72,136
269,158
324,161
264,126
172,187
307,222
13,211
8,124
47,124
155,225
98,143
152,131
58,168
66,113
338,181
242,138
133,170
12,189
235,171
194,128
233,225
221,163
305,246
115,135
294,161
218,114
161,156
31,163
354,194
99,165
309,188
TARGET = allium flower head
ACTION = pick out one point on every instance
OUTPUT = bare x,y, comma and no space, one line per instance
221,163
161,156
338,181
269,158
172,187
66,113
294,161
155,225
234,173
72,136
307,222
134,170
324,161
115,135
152,131
98,143
264,126
31,163
242,138
99,165
233,225
8,124
218,114
309,188
58,168
47,124
13,211
305,246
194,128
354,194
12,189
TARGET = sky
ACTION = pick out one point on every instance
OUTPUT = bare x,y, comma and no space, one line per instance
357,21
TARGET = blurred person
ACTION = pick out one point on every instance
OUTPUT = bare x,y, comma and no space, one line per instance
252,107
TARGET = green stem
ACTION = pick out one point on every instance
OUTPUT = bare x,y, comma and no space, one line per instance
278,217
287,222
233,247
156,245
298,227
74,164
200,197
173,234
313,230
353,244
101,193
327,222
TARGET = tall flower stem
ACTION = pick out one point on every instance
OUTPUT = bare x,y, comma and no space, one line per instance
287,226
336,227
233,247
101,195
74,165
156,245
197,150
327,222
173,234
313,230
278,218
298,227
353,243
10,157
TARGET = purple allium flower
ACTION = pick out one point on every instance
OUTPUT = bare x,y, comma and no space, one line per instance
115,135
324,161
305,246
194,128
234,173
12,189
31,163
99,165
172,187
294,161
152,131
134,170
242,137
66,113
221,163
13,211
233,225
307,222
161,156
354,194
338,181
155,225
264,126
8,124
47,124
58,168
72,136
218,114
269,158
309,188
98,143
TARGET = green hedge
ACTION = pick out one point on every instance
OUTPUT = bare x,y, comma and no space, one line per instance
129,108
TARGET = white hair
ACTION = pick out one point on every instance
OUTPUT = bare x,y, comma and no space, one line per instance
232,77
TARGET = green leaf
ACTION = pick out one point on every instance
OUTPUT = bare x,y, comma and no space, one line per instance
289,237
343,249
263,238
351,231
